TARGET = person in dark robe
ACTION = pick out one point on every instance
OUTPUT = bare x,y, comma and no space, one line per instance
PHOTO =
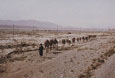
41,48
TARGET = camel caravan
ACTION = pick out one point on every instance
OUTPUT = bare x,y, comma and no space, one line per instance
52,44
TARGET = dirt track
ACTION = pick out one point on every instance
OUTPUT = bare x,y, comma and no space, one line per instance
63,64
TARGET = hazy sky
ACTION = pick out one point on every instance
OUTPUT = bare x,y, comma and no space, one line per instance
79,13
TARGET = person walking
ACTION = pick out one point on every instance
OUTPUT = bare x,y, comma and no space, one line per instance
41,50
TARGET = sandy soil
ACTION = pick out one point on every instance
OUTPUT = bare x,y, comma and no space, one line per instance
69,63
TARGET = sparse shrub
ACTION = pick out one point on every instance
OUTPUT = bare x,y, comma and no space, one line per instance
94,60
88,74
22,58
81,76
84,48
110,52
72,71
23,44
1,47
101,60
93,67
2,69
3,59
41,71
9,46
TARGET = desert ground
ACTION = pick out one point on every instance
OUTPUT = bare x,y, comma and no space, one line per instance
19,57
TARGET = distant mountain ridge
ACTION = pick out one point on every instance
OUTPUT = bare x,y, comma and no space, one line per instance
34,24
29,24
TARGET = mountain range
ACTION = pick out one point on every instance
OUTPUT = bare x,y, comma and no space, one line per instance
29,24
41,25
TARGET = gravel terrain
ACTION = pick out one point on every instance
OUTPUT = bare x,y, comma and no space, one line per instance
71,63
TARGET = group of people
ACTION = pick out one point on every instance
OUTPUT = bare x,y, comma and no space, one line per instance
53,43
48,45
73,40
86,38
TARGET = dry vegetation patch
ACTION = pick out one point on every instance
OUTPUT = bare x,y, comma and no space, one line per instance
21,58
97,62
3,69
82,48
3,59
